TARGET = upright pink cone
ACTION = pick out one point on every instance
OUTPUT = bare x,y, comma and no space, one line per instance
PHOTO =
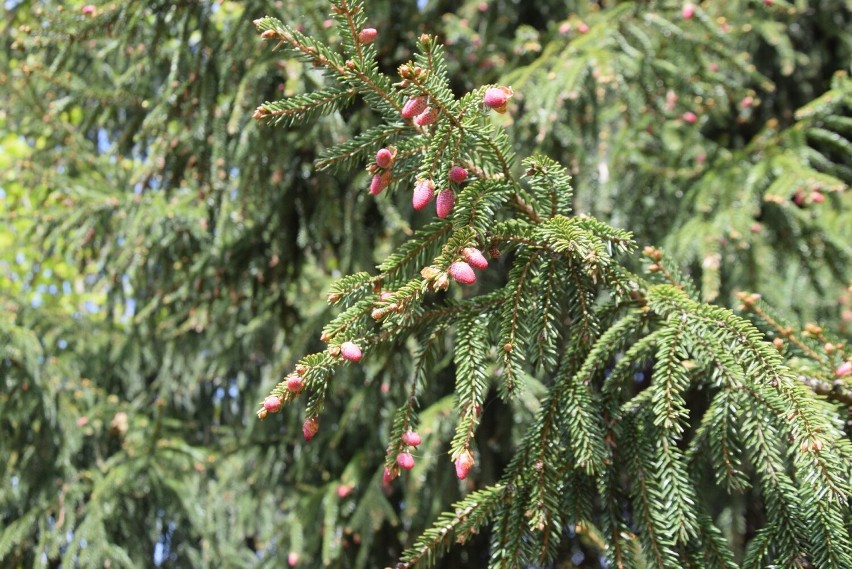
424,192
414,106
475,257
350,351
445,203
458,174
497,98
411,438
272,404
462,272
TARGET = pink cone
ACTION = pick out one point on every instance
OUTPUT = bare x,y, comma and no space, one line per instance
463,465
310,428
689,117
272,404
688,11
445,203
405,460
413,107
384,158
350,352
295,384
367,35
458,174
411,438
427,117
462,272
497,97
424,192
844,369
379,183
475,258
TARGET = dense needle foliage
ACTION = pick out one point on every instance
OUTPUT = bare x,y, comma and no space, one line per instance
164,259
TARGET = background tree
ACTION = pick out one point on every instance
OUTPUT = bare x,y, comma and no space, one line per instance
165,258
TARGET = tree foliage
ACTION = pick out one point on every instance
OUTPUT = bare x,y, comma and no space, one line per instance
166,255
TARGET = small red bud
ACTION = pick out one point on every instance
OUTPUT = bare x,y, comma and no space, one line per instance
463,464
384,158
310,428
411,438
497,97
844,369
462,272
272,404
688,11
292,559
88,9
350,352
583,27
475,258
405,460
424,192
689,117
817,197
295,384
367,35
444,204
458,174
427,117
413,107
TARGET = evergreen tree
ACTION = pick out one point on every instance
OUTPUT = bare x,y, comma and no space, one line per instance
593,403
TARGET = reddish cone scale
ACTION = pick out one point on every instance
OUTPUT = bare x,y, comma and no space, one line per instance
310,428
272,404
411,438
350,351
458,174
405,460
424,192
444,204
463,464
475,258
414,107
462,272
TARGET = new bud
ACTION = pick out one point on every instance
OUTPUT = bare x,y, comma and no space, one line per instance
379,183
384,158
405,460
310,428
462,272
367,35
475,258
458,174
272,404
427,117
414,106
411,438
424,192
463,464
295,384
446,201
688,11
844,369
350,352
497,98
689,117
